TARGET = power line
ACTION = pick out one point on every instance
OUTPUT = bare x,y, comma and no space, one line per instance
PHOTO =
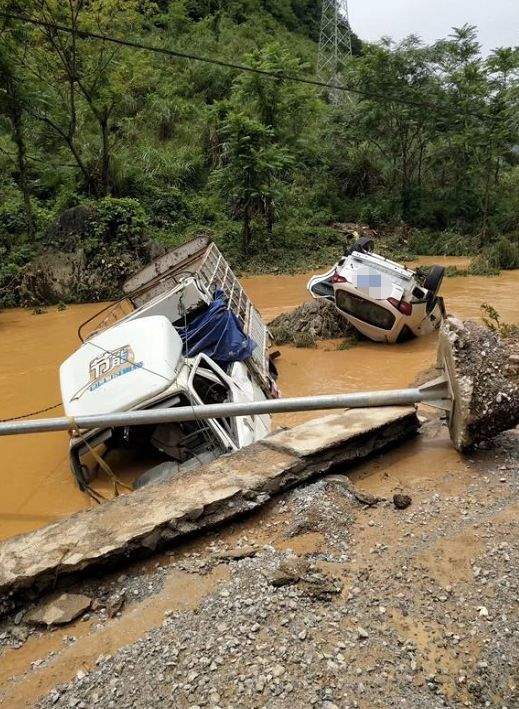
84,34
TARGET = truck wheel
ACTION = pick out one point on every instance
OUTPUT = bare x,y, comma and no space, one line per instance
434,279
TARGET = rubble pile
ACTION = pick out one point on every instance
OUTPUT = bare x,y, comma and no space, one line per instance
316,320
399,607
483,369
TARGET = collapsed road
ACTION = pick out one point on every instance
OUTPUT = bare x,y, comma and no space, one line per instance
315,599
156,515
477,390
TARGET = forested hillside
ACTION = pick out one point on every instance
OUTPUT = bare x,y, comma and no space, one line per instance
104,147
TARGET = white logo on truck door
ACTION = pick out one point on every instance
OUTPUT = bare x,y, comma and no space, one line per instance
107,366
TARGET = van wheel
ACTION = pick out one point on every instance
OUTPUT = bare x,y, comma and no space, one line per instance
434,279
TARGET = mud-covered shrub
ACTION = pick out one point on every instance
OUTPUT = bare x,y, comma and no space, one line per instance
501,255
312,321
304,339
492,320
114,246
448,243
16,250
13,261
481,266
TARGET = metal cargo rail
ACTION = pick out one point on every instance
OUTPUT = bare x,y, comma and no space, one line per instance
200,258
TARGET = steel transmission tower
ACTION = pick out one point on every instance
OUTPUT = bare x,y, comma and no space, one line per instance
334,44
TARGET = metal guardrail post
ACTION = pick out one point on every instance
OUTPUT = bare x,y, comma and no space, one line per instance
437,393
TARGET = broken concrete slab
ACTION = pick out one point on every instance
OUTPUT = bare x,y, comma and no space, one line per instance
154,516
59,610
328,433
485,388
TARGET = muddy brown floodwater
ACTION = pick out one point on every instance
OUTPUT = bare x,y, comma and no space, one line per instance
37,486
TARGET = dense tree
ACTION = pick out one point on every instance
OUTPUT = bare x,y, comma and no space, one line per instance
13,111
248,177
428,138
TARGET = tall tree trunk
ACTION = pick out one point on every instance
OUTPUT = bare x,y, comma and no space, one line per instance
105,161
246,232
21,161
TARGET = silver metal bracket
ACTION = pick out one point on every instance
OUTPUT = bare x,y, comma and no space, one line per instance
437,392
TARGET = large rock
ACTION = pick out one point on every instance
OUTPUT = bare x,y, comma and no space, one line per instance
59,609
156,515
87,253
484,381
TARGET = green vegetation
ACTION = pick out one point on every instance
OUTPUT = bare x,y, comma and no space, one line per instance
349,341
157,148
493,321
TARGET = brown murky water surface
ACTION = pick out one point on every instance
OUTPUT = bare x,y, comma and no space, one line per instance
37,486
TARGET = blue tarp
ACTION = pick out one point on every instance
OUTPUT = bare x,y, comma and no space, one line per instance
217,332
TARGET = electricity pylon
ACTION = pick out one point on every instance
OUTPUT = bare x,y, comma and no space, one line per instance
334,45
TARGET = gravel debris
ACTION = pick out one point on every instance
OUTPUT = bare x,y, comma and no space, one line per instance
373,608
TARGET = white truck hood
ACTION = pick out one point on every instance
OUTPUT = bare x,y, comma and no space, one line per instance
121,367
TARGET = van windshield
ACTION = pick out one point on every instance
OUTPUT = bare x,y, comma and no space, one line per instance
365,310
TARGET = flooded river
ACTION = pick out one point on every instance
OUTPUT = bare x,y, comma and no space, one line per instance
37,486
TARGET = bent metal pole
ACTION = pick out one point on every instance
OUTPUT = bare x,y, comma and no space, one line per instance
394,397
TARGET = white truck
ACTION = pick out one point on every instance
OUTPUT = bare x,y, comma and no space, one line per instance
185,333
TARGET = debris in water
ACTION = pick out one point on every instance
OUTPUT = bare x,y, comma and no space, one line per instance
317,320
59,610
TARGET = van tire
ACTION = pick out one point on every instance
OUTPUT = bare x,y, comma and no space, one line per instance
434,279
